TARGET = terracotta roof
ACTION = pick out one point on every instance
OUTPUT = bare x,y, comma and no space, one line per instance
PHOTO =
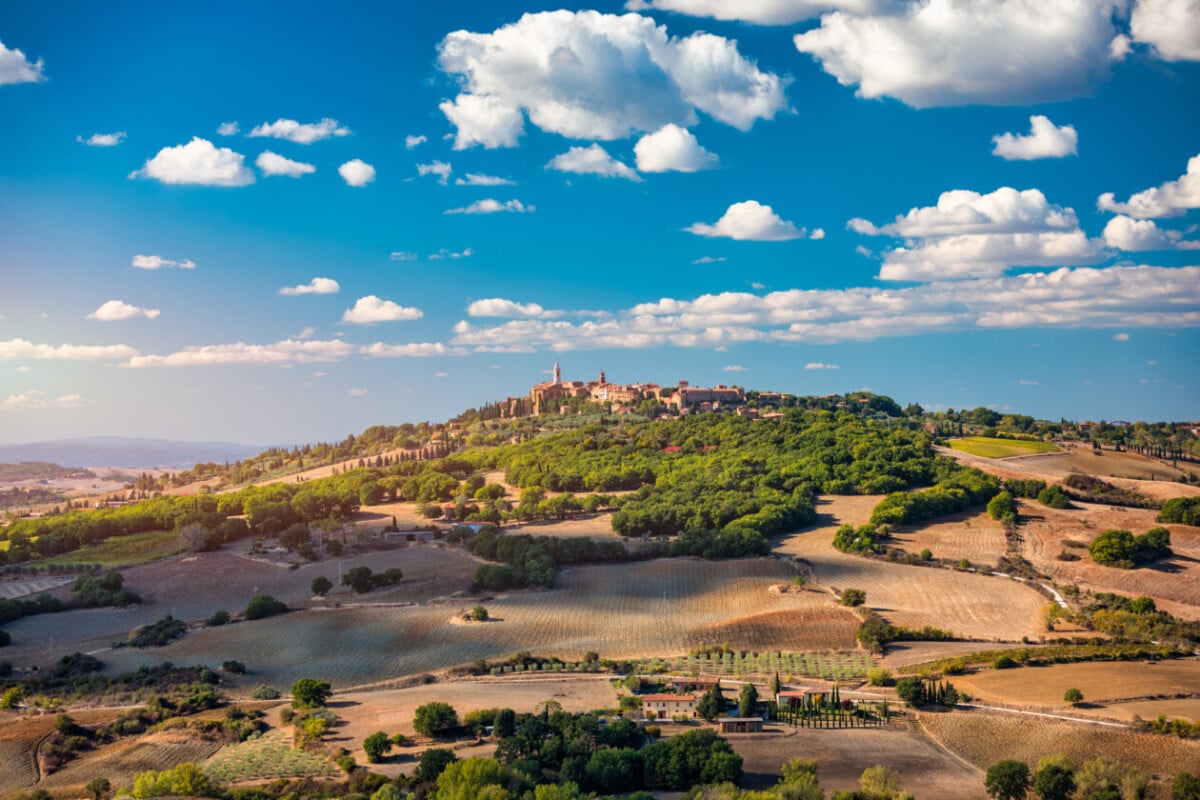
667,698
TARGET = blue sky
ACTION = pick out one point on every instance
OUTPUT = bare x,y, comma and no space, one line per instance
283,222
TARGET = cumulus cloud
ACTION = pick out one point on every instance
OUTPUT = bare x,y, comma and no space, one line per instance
672,149
587,75
499,307
300,133
275,164
410,350
439,168
413,142
116,310
1082,297
1045,140
16,68
490,206
1171,199
24,350
34,399
228,129
1171,27
286,351
968,234
758,12
592,160
315,286
157,262
197,162
102,139
749,221
962,52
357,172
477,179
371,309
1133,235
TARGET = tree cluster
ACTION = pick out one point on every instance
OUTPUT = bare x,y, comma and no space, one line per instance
1120,548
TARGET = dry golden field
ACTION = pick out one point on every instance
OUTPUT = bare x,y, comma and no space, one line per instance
964,603
121,761
1100,682
985,738
1184,708
1125,469
972,535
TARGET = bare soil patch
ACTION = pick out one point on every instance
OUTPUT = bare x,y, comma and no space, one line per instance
972,535
983,738
926,769
1100,682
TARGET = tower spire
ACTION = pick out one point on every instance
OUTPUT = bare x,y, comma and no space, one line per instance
557,373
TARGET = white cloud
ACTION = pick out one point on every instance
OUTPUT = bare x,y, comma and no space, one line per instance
1171,27
444,253
1023,382
315,286
672,149
1121,337
156,262
476,179
286,351
300,133
357,172
24,350
1134,235
357,392
490,206
709,260
197,162
734,368
228,129
439,168
592,160
499,307
102,139
1083,297
275,164
441,374
587,75
1120,47
1045,140
963,52
817,234
33,399
411,350
1171,199
749,221
758,12
413,142
371,309
115,310
306,333
820,365
401,255
968,234
16,68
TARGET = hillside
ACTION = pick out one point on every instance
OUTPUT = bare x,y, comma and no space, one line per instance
119,451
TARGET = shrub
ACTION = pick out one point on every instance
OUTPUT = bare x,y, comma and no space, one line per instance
321,585
853,597
234,667
1002,507
376,746
1054,497
1004,662
217,619
479,614
435,719
160,633
1073,696
264,605
310,693
878,676
265,692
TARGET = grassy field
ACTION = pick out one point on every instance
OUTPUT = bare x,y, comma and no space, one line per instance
123,551
990,447
268,756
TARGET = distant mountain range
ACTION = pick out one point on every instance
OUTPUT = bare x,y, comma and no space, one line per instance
120,451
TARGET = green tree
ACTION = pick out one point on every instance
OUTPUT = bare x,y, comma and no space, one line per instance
747,700
98,788
477,779
358,579
1007,780
1073,696
1114,548
712,704
505,724
433,762
1054,497
264,605
879,781
1002,507
910,690
1186,787
321,585
376,746
435,719
479,614
310,693
1054,782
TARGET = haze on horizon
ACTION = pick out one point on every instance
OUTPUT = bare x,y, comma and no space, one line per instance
279,225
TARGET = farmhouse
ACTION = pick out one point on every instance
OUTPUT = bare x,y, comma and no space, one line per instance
796,698
666,706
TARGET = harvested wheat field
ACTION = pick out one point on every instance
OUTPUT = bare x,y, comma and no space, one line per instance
926,770
193,587
657,608
1100,682
972,535
983,738
1174,583
121,761
1185,708
20,736
1128,470
905,654
966,604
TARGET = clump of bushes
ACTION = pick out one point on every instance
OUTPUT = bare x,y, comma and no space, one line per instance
1181,510
164,631
1054,497
1095,490
863,539
1120,548
363,580
264,605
